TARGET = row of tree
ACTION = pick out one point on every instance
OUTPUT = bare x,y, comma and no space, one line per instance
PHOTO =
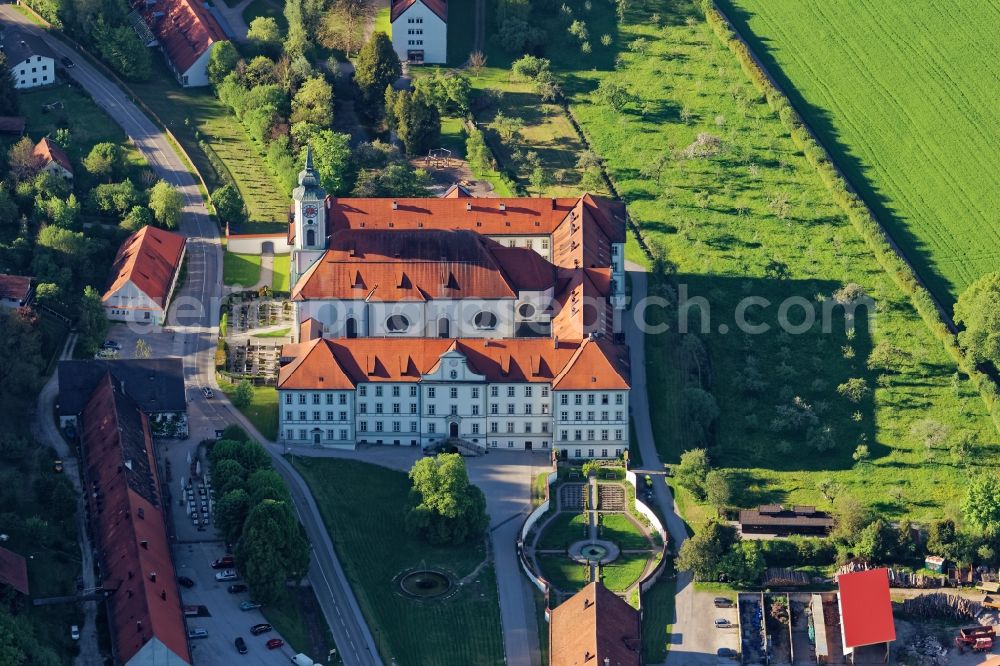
253,511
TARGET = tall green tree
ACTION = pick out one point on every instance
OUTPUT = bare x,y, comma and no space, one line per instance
332,157
313,103
376,67
167,204
122,49
445,508
229,205
21,363
271,550
104,161
981,505
92,325
978,312
8,93
416,122
692,472
264,33
231,513
248,453
265,484
343,24
222,61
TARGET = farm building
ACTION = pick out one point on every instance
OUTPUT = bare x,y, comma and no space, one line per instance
143,276
776,519
595,626
29,59
15,290
420,30
866,623
12,125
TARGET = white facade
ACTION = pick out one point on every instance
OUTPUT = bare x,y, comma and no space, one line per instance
57,170
129,303
33,71
419,35
197,74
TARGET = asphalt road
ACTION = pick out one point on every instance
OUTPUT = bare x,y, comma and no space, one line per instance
193,323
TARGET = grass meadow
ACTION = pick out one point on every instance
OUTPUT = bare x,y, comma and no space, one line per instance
902,95
281,273
241,270
752,218
262,410
363,507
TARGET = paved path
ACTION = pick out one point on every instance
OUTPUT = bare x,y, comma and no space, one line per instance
234,17
194,318
682,652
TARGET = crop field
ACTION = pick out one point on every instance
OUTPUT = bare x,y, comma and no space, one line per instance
741,213
363,507
904,96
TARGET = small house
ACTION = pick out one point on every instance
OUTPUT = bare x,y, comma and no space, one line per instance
420,30
15,291
29,60
53,158
144,275
778,520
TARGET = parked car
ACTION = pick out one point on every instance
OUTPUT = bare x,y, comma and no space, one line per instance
68,64
224,562
192,611
227,574
723,623
727,652
111,344
241,645
259,629
197,633
722,602
74,632
57,465
236,588
207,392
185,581
249,605
274,643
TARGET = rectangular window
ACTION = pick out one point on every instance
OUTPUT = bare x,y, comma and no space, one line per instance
510,445
527,391
577,399
413,426
395,391
454,410
329,398
413,391
363,407
564,435
343,416
578,435
315,398
430,392
378,391
396,426
618,416
343,433
453,392
527,409
302,398
288,398
475,428
590,398
329,416
290,434
494,408
510,408
315,416
378,407
494,426
510,426
431,428
590,435
545,243
564,416
618,434
363,426
343,399
475,410
604,453
362,390
302,416
288,416
527,427
494,391
302,434
577,416
564,399
413,408
545,426
510,391
395,408
431,409
604,435
378,426
329,434
590,416
475,392
619,398
545,391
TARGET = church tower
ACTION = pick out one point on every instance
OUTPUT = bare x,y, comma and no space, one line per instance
309,218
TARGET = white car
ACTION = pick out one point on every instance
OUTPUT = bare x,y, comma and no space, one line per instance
74,632
197,633
227,574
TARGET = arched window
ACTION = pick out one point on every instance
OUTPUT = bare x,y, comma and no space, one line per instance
352,327
485,319
444,328
310,236
397,323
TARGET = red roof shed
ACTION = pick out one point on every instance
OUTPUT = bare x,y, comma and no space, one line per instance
865,608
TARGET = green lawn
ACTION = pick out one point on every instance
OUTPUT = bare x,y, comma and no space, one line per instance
565,528
624,572
263,408
363,507
195,113
241,270
281,273
754,219
938,190
562,572
382,23
280,333
657,621
289,619
619,528
266,8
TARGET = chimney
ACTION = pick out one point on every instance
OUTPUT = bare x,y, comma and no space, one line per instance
144,544
152,576
503,206
138,625
555,342
553,203
468,205
395,205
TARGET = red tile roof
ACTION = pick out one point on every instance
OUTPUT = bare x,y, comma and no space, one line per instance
13,571
185,30
865,608
439,7
310,329
421,265
15,287
149,258
592,626
131,536
341,363
49,151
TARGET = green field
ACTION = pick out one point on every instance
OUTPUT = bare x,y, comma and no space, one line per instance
363,508
623,531
280,272
565,528
754,219
193,114
263,408
903,96
240,270
657,621
565,574
624,572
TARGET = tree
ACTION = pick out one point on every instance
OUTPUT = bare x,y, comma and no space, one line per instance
222,61
271,550
981,505
266,484
508,127
701,411
92,325
861,454
137,218
343,25
399,180
313,103
332,158
445,508
978,312
20,371
530,67
167,204
692,472
243,394
877,542
229,205
18,644
887,356
854,389
103,161
614,94
851,516
251,455
265,34
22,161
943,539
416,122
8,93
230,513
142,349
376,68
718,489
122,49
932,434
703,553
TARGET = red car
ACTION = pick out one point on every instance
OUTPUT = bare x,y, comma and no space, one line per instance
275,643
224,562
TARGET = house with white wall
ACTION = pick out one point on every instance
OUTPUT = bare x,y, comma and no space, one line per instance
420,30
53,158
186,31
30,61
144,275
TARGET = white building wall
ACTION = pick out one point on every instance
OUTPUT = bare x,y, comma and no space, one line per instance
33,72
197,74
305,416
254,244
131,304
419,28
591,424
541,243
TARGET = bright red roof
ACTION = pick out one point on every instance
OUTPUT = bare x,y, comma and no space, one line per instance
131,536
49,151
592,626
342,364
148,258
865,608
439,7
185,30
